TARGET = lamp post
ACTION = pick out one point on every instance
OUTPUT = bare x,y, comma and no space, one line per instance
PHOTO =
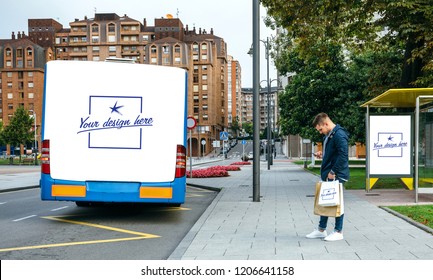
256,105
268,101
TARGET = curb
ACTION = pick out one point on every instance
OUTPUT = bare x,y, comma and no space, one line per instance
407,219
189,237
19,189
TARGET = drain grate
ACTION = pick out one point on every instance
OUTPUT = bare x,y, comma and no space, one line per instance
310,195
244,186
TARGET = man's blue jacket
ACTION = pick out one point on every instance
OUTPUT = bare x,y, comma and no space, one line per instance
336,157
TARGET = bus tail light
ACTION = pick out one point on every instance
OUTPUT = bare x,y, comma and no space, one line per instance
45,157
180,161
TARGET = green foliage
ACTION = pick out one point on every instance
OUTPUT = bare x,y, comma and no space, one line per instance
248,127
19,129
346,52
359,26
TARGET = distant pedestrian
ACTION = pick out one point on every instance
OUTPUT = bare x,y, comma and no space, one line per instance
335,166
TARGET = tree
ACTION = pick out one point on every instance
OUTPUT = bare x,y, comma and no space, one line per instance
248,128
19,129
373,25
235,126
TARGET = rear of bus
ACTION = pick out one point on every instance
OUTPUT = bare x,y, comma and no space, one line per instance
114,132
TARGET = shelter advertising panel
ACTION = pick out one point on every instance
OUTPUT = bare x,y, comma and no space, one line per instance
390,145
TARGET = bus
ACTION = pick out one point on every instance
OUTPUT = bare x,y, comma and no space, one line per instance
113,132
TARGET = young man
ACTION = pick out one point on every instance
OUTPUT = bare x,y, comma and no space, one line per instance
335,166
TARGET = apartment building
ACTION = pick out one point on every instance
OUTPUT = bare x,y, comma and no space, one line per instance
247,106
168,42
22,64
233,96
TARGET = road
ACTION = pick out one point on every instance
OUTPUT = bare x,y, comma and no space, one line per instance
32,229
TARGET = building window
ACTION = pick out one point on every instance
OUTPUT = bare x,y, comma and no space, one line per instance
204,46
111,27
111,38
95,39
95,28
112,48
195,47
165,49
8,52
10,85
29,51
177,49
204,77
31,95
195,88
204,87
195,57
95,49
8,63
153,60
153,49
30,85
9,74
145,37
204,57
177,60
10,106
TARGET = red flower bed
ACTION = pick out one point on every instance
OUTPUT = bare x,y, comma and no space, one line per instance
241,163
213,171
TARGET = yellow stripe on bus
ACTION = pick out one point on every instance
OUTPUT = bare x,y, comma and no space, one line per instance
68,190
155,192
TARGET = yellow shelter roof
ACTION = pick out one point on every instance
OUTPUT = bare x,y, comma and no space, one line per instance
401,98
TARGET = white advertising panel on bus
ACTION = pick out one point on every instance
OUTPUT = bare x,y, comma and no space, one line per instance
390,145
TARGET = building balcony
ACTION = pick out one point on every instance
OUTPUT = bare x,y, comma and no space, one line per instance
78,43
76,54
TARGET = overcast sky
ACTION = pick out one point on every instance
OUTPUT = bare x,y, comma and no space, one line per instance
230,20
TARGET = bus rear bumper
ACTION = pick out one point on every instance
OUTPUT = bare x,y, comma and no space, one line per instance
100,191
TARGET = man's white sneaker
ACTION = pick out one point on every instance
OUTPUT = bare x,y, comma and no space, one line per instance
335,236
317,234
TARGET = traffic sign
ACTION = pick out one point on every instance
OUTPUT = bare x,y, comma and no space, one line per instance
244,142
224,135
191,122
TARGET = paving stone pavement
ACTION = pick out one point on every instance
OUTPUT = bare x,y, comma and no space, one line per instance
236,228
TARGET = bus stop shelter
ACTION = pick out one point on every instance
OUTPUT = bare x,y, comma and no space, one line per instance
400,144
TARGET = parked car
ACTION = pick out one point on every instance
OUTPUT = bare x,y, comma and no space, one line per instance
251,155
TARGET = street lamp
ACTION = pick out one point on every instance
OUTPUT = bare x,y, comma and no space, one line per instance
256,96
268,100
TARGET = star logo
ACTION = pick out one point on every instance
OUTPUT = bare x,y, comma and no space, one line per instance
390,138
116,108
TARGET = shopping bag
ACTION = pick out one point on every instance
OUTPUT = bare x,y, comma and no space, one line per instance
329,193
329,211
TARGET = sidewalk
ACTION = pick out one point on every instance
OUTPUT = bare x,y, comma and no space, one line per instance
236,228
